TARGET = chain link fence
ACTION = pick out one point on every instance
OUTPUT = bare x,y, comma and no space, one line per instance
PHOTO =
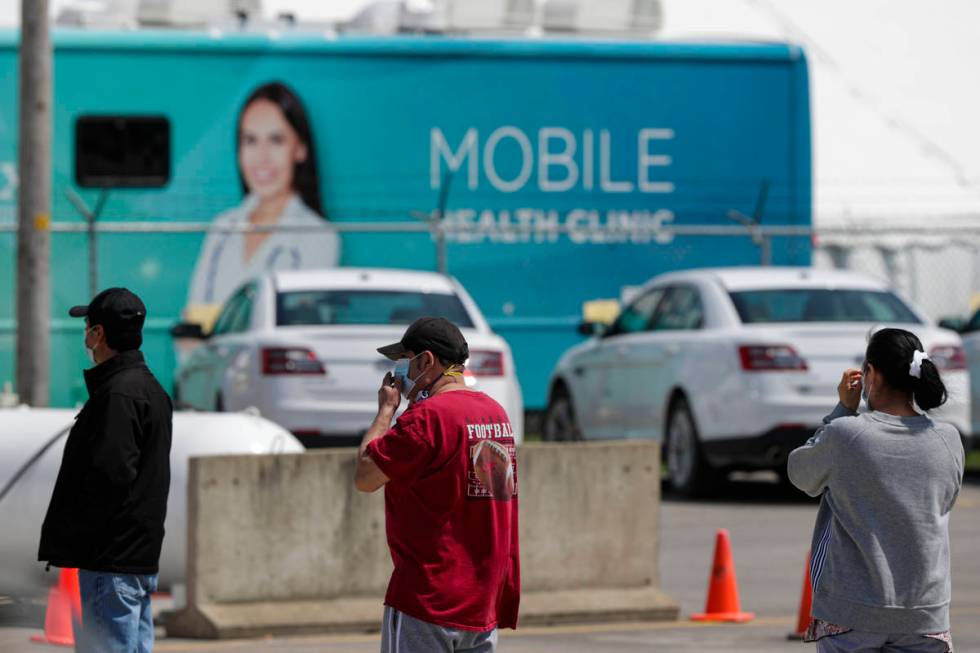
936,268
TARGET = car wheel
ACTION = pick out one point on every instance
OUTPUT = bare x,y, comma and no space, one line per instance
689,473
560,424
219,404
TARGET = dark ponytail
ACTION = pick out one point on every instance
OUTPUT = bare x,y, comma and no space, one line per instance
891,352
929,391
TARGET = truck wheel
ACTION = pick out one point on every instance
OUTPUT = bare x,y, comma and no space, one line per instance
559,418
689,473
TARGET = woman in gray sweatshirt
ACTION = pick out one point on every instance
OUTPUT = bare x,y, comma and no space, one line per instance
887,480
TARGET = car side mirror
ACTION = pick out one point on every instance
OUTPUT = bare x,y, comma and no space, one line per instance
188,330
957,324
591,329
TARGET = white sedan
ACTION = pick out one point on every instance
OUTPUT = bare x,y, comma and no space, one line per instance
970,332
301,347
733,368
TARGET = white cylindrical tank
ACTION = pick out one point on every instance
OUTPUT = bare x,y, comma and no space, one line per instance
25,431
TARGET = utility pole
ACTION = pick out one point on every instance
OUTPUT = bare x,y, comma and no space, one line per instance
34,206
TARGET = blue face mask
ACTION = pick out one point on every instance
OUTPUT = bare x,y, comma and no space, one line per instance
401,372
865,390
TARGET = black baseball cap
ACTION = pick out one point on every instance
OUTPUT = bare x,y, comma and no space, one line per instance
435,334
117,309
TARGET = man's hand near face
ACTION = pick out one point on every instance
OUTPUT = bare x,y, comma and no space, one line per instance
368,477
389,394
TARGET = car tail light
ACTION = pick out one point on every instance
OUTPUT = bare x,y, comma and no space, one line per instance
290,360
771,358
947,358
486,363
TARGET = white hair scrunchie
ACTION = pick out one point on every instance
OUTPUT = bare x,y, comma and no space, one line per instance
915,369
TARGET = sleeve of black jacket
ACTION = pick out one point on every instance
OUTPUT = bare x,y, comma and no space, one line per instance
117,440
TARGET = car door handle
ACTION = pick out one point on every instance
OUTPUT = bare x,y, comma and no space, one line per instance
672,350
578,371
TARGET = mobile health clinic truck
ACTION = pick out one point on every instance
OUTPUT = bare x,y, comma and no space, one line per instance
558,167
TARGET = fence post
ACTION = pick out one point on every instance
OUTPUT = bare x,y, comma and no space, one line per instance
765,249
442,264
90,216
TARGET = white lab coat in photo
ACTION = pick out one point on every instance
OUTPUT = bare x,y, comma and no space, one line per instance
221,269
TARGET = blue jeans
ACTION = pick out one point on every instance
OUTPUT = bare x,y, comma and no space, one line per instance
116,615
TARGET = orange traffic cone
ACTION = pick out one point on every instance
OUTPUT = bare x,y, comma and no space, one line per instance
803,620
722,604
64,608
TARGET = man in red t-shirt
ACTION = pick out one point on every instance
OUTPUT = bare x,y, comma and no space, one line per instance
449,470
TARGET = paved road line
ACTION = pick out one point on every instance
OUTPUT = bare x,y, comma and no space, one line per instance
229,644
634,625
532,631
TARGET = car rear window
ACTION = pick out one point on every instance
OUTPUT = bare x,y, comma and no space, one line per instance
316,307
821,305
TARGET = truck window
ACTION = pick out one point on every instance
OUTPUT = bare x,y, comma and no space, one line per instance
122,151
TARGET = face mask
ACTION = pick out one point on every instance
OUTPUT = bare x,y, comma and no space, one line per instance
89,352
401,372
866,391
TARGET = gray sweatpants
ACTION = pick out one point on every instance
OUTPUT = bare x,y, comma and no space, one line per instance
855,641
401,633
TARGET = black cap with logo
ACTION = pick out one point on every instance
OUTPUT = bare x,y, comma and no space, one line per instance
435,334
116,309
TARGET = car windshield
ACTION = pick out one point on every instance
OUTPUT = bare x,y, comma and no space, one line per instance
821,305
318,307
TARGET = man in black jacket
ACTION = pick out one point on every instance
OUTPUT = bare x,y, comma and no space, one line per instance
109,502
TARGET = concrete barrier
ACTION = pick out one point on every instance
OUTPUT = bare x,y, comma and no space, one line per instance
284,544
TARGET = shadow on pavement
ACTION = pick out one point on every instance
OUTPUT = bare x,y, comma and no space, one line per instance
331,442
21,613
747,488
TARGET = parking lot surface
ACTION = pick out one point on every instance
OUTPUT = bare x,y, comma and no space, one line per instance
770,531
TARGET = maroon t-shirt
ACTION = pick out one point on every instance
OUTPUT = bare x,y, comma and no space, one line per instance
451,512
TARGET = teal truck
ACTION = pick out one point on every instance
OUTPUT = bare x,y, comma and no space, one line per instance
559,171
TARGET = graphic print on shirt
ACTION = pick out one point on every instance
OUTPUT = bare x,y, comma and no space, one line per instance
492,470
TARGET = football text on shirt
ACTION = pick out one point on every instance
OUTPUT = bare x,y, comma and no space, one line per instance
489,431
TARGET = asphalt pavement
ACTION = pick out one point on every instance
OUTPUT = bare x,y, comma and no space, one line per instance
770,531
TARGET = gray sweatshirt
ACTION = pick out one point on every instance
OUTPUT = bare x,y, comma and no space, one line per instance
880,552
